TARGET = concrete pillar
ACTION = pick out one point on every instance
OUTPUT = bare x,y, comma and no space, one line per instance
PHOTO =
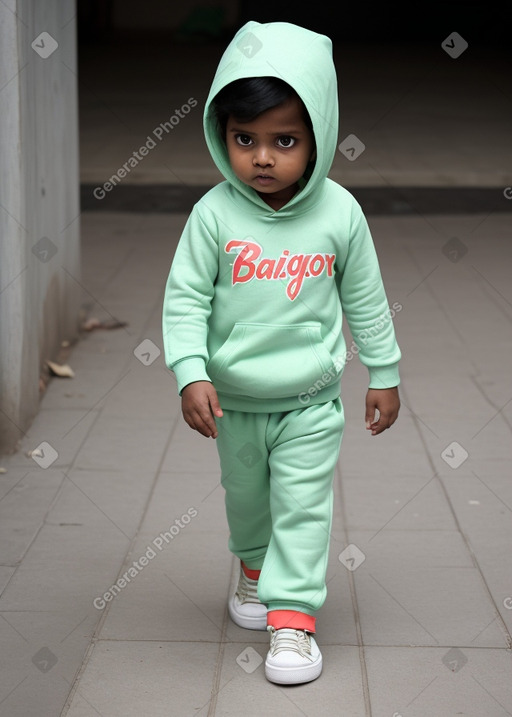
39,200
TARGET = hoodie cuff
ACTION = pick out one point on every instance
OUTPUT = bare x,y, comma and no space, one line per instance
384,376
189,370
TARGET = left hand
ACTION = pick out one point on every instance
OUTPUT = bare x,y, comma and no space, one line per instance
387,403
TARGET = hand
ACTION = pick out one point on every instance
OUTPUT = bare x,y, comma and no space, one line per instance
387,402
199,404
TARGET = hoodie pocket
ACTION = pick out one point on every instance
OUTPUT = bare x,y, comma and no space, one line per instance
271,361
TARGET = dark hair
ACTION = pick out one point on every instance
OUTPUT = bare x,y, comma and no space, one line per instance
249,97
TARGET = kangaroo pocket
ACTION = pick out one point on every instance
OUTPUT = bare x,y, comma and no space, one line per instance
271,361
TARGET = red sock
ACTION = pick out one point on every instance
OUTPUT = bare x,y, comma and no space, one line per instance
252,574
291,619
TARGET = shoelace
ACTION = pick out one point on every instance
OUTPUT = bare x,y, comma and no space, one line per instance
247,590
293,640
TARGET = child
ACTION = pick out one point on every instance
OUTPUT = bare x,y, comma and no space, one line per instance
252,326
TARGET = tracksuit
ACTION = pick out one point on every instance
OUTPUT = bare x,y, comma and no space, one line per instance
254,303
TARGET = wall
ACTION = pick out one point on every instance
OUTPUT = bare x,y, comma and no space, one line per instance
39,201
163,14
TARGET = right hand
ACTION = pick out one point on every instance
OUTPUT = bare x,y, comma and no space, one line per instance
199,404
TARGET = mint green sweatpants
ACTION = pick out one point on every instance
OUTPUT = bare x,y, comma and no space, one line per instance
277,471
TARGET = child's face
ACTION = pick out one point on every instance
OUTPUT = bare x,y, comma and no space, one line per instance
271,153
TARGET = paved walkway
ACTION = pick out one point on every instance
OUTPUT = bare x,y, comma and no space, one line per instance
123,492
418,627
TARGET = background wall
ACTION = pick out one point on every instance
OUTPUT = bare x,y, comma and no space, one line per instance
361,22
39,201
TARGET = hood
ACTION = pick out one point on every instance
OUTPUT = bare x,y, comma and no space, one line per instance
301,58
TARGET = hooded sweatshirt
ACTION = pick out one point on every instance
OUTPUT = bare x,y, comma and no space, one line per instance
255,297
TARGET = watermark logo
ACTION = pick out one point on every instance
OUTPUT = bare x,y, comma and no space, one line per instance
249,660
339,363
351,147
454,45
454,249
454,455
44,659
147,352
249,454
45,45
158,133
352,557
249,44
44,455
143,561
454,659
44,249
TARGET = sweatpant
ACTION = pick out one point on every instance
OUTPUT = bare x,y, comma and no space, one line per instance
277,470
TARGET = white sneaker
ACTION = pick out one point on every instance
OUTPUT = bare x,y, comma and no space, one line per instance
294,657
245,608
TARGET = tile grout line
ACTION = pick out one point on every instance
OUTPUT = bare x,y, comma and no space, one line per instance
219,660
481,390
492,298
398,645
355,607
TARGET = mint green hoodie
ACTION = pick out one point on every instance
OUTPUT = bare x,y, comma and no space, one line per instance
255,297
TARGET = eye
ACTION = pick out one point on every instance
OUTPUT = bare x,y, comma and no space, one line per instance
285,141
243,139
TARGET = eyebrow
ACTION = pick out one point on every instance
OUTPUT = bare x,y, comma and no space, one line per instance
281,132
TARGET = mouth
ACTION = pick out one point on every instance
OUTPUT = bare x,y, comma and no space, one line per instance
264,179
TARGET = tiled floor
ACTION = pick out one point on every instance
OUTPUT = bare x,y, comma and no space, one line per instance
420,627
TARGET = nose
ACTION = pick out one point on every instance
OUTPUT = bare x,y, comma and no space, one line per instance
262,157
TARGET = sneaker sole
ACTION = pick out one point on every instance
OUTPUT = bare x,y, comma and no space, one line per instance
293,675
245,621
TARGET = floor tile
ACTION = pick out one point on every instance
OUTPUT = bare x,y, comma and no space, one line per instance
128,679
439,681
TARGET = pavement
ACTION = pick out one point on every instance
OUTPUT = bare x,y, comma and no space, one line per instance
114,569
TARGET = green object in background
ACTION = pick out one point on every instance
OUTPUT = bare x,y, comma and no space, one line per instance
204,22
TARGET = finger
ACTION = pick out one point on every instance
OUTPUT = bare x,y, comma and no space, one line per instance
370,415
197,422
207,423
376,428
385,421
215,405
